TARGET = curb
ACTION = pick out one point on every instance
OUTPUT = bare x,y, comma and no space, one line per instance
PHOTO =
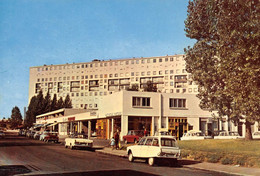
185,166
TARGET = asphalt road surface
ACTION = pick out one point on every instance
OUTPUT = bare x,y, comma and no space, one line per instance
20,155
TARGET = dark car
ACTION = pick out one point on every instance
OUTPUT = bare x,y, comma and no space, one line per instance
51,137
133,136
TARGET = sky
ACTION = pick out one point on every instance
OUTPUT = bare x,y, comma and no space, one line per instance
38,32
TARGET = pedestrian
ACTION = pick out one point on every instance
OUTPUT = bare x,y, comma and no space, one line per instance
117,139
82,132
112,143
145,132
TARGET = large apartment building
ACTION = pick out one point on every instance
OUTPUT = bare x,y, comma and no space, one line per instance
87,83
97,89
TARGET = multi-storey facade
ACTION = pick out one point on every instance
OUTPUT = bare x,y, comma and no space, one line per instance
87,83
91,84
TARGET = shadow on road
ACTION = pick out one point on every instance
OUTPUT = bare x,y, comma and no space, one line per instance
187,162
13,170
103,173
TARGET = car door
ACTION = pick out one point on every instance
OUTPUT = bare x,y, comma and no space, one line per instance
145,153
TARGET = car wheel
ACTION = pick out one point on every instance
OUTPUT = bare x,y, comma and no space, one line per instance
151,161
126,141
130,157
71,147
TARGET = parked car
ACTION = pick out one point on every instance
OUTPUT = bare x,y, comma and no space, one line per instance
193,135
154,149
37,135
133,136
51,137
73,142
42,136
31,134
162,131
2,134
256,135
228,135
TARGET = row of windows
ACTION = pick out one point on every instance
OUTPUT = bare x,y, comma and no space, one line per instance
146,102
111,63
148,73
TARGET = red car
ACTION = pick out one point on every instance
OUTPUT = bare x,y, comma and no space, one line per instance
133,136
51,137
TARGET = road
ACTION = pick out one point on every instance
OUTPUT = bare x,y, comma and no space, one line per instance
22,155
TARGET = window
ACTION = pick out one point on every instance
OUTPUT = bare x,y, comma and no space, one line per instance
149,141
141,101
141,142
177,103
168,142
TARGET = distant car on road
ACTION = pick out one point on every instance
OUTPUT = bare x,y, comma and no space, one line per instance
74,142
37,135
2,134
51,137
256,135
43,135
133,136
154,149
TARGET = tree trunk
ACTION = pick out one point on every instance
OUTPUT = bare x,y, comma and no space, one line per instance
248,131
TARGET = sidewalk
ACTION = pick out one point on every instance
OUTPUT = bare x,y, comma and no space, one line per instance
228,169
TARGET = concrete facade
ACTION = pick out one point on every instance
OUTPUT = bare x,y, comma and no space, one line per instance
87,83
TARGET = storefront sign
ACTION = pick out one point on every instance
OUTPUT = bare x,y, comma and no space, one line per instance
93,113
113,114
71,119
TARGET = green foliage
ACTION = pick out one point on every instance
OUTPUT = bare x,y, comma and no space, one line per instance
227,160
54,103
224,62
150,87
67,102
16,118
214,157
239,152
40,105
134,87
47,103
60,103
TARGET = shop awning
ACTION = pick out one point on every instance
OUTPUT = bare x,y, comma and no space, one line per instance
38,126
52,124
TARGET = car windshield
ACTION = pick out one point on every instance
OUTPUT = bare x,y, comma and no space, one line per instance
168,142
141,142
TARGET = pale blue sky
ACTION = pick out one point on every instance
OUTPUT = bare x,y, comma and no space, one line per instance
38,32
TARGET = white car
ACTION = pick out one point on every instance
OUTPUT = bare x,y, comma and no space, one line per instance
154,148
228,135
42,136
256,135
78,143
193,135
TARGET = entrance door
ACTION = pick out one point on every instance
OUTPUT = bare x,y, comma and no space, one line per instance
180,130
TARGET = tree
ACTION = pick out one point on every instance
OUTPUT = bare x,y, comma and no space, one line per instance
31,113
224,61
67,102
54,103
47,103
134,87
150,87
60,103
16,118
